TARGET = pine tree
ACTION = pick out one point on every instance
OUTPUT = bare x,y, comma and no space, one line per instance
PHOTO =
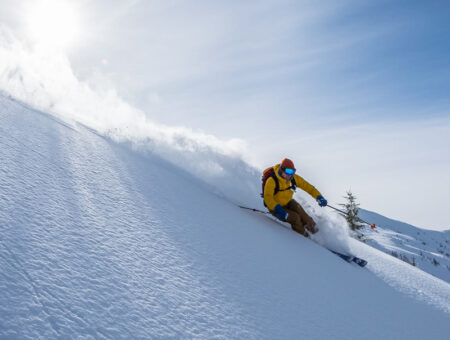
352,208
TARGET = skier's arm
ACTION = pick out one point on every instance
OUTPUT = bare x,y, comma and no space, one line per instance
269,190
304,185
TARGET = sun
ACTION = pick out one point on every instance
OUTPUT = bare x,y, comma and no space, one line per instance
53,23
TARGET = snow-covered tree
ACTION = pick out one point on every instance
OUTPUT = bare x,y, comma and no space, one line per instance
351,208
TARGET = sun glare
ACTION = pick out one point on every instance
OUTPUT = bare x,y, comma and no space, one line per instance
52,22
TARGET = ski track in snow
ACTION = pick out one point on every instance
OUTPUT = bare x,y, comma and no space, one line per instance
100,242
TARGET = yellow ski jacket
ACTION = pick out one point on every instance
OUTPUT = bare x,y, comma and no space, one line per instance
283,196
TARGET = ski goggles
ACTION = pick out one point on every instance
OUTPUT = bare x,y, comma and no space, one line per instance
288,171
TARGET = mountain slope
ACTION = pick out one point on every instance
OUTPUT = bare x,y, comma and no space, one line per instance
428,250
99,241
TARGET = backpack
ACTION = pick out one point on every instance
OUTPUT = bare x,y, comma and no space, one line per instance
270,172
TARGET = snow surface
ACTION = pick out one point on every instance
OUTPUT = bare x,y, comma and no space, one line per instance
100,241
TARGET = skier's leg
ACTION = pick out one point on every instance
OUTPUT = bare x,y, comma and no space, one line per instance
306,220
295,221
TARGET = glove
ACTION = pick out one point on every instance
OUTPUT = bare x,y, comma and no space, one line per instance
280,212
322,201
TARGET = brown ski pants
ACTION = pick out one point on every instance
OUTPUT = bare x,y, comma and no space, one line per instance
299,219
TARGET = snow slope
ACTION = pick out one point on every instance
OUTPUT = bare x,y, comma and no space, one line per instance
429,250
99,241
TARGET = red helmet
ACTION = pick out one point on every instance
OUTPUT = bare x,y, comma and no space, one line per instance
287,166
287,163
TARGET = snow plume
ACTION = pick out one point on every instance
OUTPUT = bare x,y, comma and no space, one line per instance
44,79
333,229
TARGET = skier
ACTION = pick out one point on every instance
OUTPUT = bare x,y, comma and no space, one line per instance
279,184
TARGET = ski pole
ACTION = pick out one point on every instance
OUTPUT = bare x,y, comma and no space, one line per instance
372,226
252,209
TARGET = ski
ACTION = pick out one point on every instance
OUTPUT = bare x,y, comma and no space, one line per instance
349,258
359,262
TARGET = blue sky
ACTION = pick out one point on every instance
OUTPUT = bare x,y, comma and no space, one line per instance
356,93
327,64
